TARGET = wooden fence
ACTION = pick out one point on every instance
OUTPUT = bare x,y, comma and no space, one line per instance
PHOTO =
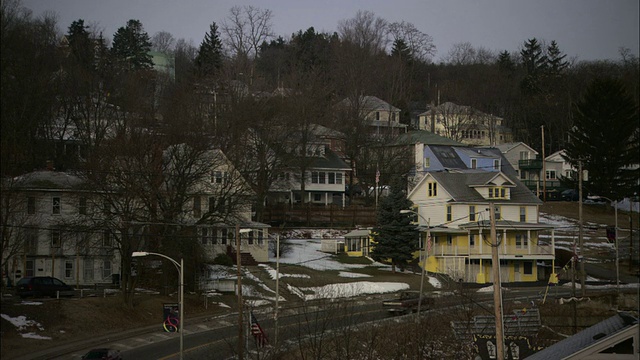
319,215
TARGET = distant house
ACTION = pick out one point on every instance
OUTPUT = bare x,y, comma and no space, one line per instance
382,117
325,175
50,209
464,124
454,198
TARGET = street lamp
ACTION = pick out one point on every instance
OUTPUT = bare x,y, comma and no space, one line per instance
240,315
180,268
407,211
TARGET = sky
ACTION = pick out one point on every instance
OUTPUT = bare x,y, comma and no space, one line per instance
583,29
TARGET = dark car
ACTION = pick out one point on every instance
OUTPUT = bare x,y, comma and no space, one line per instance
106,354
39,286
570,195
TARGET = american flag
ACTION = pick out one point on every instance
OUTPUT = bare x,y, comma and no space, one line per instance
258,333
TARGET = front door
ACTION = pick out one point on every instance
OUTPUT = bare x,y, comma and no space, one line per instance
516,271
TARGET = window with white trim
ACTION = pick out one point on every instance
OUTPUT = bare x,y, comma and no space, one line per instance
56,238
432,189
523,214
55,205
68,269
106,269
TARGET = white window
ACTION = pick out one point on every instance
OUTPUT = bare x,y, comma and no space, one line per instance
314,177
523,214
524,155
55,205
88,269
331,178
432,189
496,164
31,205
106,239
82,206
317,197
472,240
550,175
338,178
56,238
106,269
474,163
68,269
426,162
472,213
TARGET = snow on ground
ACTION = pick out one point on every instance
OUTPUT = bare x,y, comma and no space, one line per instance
347,274
343,290
22,324
608,286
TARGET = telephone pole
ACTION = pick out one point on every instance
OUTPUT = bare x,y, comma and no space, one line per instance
583,290
497,288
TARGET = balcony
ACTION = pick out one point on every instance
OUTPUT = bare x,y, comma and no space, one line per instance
530,164
503,251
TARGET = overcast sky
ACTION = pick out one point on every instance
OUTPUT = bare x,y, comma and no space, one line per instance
586,29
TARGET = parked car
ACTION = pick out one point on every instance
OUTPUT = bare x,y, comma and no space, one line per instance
570,195
106,354
39,286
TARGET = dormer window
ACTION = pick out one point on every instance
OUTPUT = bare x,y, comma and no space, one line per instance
497,192
496,164
474,163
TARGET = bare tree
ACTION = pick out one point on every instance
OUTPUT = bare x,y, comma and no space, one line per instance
365,30
244,30
163,41
420,44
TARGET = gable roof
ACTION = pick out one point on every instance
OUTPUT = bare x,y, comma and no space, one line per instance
506,147
47,179
330,160
424,137
461,186
597,334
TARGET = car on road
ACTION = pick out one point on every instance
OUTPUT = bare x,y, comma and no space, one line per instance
40,286
103,354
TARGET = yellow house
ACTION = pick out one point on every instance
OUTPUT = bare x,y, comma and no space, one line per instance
358,242
456,203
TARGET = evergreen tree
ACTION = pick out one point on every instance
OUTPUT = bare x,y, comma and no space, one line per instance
401,50
605,137
395,237
505,63
209,58
535,63
131,46
80,44
556,63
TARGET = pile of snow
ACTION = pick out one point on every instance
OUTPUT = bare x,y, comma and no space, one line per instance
22,324
344,290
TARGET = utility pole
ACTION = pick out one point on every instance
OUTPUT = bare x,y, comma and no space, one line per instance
497,289
275,316
544,169
424,265
240,317
583,290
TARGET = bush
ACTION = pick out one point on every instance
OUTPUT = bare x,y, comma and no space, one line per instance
223,259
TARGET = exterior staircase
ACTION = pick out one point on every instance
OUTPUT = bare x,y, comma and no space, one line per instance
245,258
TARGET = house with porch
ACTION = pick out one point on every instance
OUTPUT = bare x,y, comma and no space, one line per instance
453,200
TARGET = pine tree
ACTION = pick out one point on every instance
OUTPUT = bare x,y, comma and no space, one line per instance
605,137
80,44
131,46
401,50
505,63
209,58
555,60
395,237
535,63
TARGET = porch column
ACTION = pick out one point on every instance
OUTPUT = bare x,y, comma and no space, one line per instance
504,240
326,199
529,241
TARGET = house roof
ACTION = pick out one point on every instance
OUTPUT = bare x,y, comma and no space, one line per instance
460,186
358,233
425,137
372,103
47,180
506,147
330,160
325,132
598,333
